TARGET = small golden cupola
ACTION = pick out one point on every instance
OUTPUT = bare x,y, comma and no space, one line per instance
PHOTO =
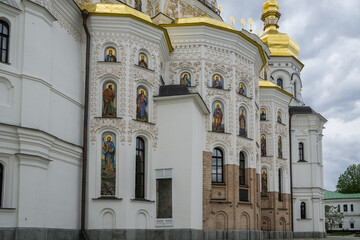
280,44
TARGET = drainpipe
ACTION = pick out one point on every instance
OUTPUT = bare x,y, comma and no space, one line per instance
291,179
85,15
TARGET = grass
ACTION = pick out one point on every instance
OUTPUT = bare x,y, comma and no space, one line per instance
357,235
339,234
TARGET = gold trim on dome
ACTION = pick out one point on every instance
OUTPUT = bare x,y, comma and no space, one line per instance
217,26
280,44
268,84
207,20
114,10
120,10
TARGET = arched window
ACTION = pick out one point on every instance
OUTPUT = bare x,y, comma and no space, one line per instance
280,185
263,114
185,79
242,169
242,89
108,164
279,82
142,101
217,81
263,145
301,151
140,168
143,60
110,54
4,41
295,90
218,117
242,122
217,166
303,210
109,99
1,183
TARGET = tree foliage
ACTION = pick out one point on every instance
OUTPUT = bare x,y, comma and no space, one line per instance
333,217
349,181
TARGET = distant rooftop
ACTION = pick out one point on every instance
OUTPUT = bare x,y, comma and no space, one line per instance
335,195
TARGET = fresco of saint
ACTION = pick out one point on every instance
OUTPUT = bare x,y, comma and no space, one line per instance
143,61
263,145
242,121
108,164
185,79
242,89
262,114
280,155
138,5
141,105
217,125
110,55
264,182
279,117
218,81
109,97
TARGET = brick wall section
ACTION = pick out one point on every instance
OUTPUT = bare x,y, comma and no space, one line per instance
222,209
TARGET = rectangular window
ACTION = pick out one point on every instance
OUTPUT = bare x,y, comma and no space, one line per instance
164,198
244,195
338,208
345,208
352,207
352,225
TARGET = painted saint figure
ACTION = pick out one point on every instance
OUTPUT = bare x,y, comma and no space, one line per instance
264,182
262,114
141,105
109,55
279,117
217,82
217,125
109,96
280,155
242,89
108,159
185,79
143,60
263,145
138,5
242,121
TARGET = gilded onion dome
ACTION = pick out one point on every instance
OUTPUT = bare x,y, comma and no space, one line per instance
280,44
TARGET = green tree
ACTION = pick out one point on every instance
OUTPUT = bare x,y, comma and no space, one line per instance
349,181
332,217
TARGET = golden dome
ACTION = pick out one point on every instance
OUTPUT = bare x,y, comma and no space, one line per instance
280,44
115,10
206,20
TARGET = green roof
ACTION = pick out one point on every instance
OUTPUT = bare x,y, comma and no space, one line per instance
335,195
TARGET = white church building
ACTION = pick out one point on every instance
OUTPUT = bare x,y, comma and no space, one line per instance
153,119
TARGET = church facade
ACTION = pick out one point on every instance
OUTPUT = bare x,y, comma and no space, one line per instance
153,120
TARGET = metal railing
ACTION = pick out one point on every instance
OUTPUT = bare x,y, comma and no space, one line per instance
208,4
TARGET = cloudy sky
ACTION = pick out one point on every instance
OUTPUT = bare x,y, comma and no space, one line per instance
328,33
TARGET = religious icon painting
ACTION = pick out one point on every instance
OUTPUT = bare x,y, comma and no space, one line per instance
185,79
263,145
242,89
279,117
242,122
218,117
110,54
109,99
108,164
262,114
138,5
142,104
264,182
143,60
280,154
217,81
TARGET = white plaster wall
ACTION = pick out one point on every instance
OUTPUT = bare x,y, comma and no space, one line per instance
355,215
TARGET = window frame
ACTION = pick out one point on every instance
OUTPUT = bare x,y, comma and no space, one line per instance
351,207
301,151
140,173
280,185
303,210
7,37
217,166
242,169
282,83
345,207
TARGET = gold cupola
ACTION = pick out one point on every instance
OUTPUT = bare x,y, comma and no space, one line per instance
280,44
